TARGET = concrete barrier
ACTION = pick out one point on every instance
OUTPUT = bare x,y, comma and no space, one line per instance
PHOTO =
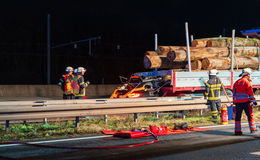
51,90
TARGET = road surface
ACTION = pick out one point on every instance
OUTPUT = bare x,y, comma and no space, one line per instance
169,145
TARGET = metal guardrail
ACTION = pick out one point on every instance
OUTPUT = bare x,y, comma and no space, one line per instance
29,110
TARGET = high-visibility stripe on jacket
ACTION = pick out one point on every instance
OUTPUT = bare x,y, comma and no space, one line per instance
213,87
67,86
82,86
242,90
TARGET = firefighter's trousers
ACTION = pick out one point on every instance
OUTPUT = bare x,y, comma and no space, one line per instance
215,107
248,108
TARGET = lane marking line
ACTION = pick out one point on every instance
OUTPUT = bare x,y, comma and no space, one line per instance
59,140
228,125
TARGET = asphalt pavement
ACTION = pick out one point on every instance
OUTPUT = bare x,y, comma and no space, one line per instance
249,150
169,146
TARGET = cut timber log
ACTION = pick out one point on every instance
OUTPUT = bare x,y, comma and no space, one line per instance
239,42
216,63
224,63
199,43
247,51
206,52
166,49
195,65
151,53
151,62
246,62
197,53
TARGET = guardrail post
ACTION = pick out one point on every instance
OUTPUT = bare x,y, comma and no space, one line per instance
45,120
6,125
183,116
106,118
157,114
201,112
77,122
135,117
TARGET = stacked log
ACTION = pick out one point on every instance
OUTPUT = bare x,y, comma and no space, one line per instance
195,65
151,62
197,53
199,43
208,53
224,63
151,53
225,42
239,42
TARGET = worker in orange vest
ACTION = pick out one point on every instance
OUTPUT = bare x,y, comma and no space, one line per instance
66,83
243,98
81,82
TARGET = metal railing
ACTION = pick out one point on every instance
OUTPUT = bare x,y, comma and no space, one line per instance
30,110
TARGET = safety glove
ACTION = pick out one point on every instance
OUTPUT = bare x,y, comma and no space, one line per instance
254,102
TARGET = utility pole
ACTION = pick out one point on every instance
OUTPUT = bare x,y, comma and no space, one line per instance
48,49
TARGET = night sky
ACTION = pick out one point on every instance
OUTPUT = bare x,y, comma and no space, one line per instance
130,24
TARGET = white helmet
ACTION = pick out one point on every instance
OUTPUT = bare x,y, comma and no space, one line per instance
246,71
81,69
213,72
69,69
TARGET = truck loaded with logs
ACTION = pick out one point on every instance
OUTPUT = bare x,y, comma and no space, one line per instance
182,74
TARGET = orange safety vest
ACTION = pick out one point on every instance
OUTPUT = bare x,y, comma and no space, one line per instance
67,86
242,90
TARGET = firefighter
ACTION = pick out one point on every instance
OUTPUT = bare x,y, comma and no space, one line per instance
66,83
243,98
81,82
213,89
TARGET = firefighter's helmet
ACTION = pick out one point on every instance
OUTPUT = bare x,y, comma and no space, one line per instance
246,71
81,69
213,72
69,69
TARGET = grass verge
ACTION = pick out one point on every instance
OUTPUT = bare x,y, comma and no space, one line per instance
93,125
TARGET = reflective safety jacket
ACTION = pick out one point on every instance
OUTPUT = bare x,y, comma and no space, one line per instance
82,86
242,90
213,87
66,82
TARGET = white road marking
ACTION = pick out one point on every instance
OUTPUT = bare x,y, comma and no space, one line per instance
228,125
255,153
58,140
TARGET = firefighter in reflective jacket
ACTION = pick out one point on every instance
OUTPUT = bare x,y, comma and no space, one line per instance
81,82
243,98
66,83
213,89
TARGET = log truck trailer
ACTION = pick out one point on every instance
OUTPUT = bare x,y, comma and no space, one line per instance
191,81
